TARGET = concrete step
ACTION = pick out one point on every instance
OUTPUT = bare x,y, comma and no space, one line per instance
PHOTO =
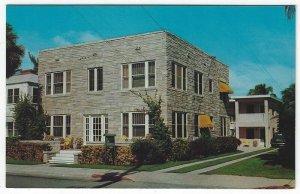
65,157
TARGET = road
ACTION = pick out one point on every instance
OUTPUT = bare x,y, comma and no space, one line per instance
13,181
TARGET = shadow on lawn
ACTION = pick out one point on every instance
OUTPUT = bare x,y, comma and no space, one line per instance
275,158
113,177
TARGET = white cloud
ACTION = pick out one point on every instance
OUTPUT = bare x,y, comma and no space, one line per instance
61,41
73,37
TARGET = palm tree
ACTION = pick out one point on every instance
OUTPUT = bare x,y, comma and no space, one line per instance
290,11
14,52
35,62
261,89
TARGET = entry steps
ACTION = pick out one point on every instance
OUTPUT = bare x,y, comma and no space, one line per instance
65,157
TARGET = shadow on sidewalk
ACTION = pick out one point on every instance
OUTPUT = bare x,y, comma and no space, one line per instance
113,177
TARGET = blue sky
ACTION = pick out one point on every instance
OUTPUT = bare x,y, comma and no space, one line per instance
256,42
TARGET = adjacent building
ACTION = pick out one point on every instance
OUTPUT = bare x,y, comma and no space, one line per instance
254,119
87,88
22,83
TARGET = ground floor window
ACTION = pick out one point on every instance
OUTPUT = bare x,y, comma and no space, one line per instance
95,127
223,126
136,124
11,131
59,125
179,124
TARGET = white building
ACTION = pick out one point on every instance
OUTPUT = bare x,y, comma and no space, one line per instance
22,83
254,119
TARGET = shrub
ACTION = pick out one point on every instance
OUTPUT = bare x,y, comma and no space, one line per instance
180,150
95,154
26,150
203,146
49,138
78,142
227,144
68,142
150,151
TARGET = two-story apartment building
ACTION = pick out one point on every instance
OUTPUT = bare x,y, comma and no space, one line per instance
87,88
255,119
22,83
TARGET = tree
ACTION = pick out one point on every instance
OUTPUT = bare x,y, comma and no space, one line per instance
29,119
261,89
35,62
14,52
287,125
290,11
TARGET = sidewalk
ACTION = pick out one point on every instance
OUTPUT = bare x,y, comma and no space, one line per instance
186,180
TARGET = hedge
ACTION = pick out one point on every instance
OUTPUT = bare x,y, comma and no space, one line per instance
95,154
17,150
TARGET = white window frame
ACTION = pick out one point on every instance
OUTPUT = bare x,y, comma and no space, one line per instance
130,124
198,82
13,95
184,119
182,76
95,79
88,138
224,124
146,73
52,83
64,124
13,129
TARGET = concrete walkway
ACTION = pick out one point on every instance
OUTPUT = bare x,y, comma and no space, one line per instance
183,180
200,171
199,162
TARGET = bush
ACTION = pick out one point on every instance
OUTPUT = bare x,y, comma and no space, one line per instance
226,144
78,142
95,154
203,146
49,138
150,151
180,150
26,150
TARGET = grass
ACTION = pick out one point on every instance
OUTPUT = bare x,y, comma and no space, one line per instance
265,165
144,167
216,162
22,162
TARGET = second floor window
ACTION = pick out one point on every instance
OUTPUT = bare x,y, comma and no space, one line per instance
58,82
198,80
178,76
210,85
13,95
137,75
95,79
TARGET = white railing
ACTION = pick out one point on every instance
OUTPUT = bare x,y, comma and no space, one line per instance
257,119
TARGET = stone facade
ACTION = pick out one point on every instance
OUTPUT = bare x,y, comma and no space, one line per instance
161,47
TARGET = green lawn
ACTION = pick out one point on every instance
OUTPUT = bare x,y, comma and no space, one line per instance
216,162
264,165
22,162
144,167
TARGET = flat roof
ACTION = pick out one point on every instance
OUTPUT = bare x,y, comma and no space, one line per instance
255,97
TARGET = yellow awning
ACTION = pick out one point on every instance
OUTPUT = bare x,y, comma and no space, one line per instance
224,88
204,121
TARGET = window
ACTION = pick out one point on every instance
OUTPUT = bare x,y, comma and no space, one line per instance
59,125
11,131
95,127
13,95
58,82
198,81
178,76
35,95
136,124
137,75
250,133
250,108
95,79
223,126
210,85
196,125
261,108
179,123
